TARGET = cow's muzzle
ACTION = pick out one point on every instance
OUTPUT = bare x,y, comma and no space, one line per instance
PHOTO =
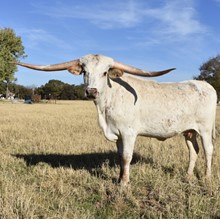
91,93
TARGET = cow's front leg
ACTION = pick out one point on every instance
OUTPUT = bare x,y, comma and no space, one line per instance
125,147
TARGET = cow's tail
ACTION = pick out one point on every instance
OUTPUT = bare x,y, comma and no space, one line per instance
213,124
214,117
213,131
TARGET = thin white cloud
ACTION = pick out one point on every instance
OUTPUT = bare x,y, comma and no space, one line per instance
118,14
35,37
177,18
173,17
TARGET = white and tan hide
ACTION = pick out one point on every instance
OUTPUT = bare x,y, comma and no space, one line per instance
128,106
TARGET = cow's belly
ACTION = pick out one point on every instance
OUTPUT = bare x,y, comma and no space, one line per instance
163,128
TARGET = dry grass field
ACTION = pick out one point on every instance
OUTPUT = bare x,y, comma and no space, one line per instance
56,164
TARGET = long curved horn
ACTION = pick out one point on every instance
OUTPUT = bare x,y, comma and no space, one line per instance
72,66
136,71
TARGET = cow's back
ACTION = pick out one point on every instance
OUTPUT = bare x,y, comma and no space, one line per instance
168,108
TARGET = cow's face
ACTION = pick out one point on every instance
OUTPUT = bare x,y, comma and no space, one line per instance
96,70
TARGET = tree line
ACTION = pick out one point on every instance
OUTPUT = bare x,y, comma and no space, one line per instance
11,50
53,89
56,89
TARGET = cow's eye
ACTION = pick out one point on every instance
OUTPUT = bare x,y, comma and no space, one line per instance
105,73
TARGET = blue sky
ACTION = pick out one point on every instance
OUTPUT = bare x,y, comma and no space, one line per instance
149,34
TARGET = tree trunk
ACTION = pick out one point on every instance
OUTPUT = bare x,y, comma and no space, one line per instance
7,91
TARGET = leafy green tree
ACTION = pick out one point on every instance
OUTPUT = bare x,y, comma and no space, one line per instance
79,91
210,72
40,91
68,92
11,49
53,89
2,87
73,92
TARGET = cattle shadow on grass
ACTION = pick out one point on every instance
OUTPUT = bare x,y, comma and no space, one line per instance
92,162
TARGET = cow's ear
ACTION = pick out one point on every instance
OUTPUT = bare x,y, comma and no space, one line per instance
115,73
75,69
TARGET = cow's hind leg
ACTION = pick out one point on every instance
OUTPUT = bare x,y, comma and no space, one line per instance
208,149
125,147
190,137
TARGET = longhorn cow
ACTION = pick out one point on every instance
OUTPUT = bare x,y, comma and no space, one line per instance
128,106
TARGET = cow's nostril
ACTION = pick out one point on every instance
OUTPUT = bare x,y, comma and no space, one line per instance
91,93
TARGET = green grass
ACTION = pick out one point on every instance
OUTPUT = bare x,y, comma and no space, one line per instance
56,163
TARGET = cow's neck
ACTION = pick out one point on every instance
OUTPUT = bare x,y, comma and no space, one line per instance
103,100
101,104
